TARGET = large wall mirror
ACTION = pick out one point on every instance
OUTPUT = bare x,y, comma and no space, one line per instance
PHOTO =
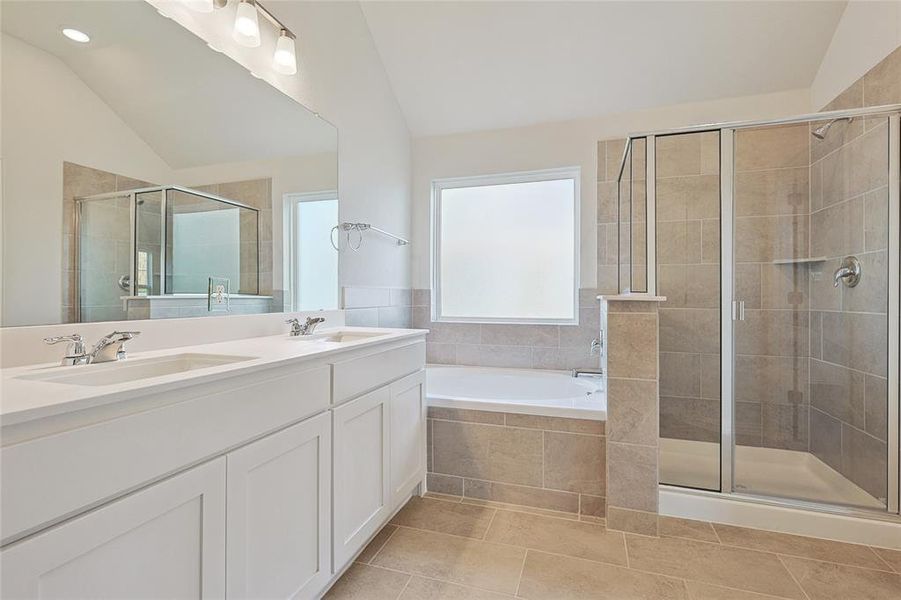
147,176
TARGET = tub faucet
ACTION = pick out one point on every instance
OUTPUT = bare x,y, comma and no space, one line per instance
577,372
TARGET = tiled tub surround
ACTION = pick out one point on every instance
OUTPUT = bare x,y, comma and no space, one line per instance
377,306
632,414
511,346
550,463
437,549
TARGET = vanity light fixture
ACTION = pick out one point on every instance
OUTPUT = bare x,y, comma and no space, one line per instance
76,36
247,24
285,58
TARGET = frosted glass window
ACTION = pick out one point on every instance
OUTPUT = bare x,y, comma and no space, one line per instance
316,260
506,248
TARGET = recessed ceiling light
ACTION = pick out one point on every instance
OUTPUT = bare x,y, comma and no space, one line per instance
76,36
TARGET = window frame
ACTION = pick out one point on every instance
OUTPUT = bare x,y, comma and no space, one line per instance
290,273
439,185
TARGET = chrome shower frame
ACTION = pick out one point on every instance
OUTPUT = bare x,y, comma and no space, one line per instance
132,196
727,130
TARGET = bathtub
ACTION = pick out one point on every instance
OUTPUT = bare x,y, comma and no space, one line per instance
524,391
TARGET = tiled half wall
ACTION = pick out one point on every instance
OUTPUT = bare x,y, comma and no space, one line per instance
549,463
377,306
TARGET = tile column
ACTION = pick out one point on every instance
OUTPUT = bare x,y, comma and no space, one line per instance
630,327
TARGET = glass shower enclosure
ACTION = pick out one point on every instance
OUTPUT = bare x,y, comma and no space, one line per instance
160,241
776,245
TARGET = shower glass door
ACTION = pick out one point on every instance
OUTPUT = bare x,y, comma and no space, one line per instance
810,279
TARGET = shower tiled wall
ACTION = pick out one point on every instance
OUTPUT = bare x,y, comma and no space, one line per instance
111,255
849,200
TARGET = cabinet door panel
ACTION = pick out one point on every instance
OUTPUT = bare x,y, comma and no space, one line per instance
165,541
407,435
360,472
279,491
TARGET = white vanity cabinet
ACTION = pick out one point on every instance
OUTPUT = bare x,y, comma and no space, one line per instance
164,541
361,454
278,518
379,459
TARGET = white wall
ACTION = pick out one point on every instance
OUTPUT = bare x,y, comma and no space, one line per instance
49,116
340,75
569,143
867,33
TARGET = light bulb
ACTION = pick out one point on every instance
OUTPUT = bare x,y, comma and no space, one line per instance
201,6
285,58
247,25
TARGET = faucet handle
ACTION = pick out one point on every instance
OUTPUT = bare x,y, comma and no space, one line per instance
75,351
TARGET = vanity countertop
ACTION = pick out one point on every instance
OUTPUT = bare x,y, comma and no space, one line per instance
25,399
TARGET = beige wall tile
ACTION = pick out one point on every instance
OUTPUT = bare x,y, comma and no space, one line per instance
702,286
678,155
855,340
864,460
680,373
678,242
748,284
632,477
365,582
632,521
455,518
631,340
768,193
823,295
553,577
466,415
556,423
710,376
487,452
520,335
615,150
514,357
607,195
575,462
695,330
777,379
838,391
837,230
710,241
882,83
773,333
870,295
632,413
876,398
785,426
592,506
690,419
784,286
441,354
688,198
444,484
764,239
712,563
459,560
875,219
826,581
772,147
559,536
522,495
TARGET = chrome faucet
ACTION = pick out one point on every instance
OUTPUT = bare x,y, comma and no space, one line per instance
849,271
109,348
307,328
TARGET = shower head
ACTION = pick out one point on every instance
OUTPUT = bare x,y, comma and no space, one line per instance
821,131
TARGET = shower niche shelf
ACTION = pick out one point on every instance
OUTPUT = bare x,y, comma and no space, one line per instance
799,261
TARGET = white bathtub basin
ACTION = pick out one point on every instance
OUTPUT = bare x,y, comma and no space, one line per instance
527,391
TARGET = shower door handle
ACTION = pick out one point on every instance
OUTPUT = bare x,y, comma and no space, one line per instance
738,310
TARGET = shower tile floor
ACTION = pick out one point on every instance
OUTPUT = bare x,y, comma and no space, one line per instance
451,549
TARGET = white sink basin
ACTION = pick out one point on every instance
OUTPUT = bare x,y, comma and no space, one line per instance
339,337
127,371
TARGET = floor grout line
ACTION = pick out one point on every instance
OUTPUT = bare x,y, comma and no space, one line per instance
522,569
792,575
491,521
404,589
382,547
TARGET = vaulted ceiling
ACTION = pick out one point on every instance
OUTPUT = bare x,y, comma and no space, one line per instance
464,66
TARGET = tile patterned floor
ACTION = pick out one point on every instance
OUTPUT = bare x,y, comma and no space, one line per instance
444,548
